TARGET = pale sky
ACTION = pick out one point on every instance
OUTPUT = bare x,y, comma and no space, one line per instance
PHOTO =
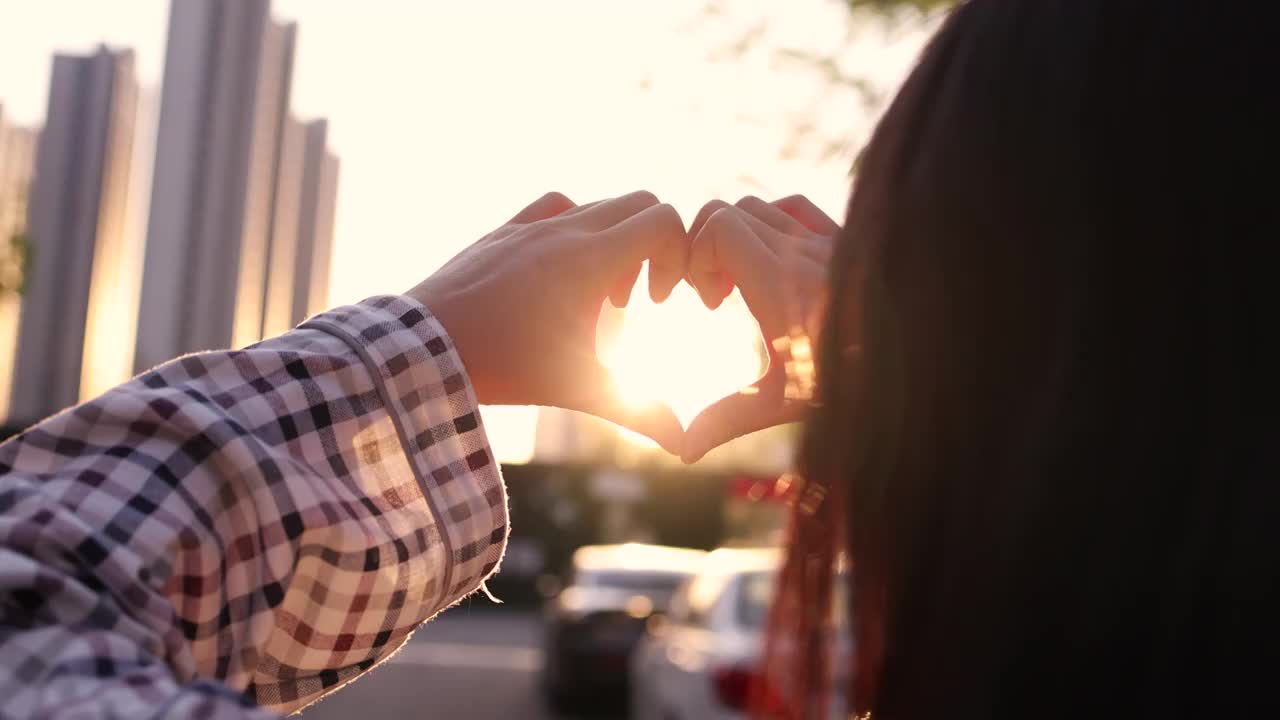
450,116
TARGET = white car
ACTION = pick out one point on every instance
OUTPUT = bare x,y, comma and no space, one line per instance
701,660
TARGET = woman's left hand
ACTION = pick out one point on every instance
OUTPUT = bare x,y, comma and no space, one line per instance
522,303
776,254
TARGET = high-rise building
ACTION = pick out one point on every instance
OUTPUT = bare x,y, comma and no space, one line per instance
302,230
315,230
227,78
277,306
77,210
113,308
17,160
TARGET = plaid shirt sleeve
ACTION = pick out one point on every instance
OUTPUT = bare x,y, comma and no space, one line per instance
234,534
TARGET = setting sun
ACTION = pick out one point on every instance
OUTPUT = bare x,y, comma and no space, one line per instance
679,353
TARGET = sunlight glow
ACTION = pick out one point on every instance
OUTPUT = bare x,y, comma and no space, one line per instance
680,353
414,193
511,431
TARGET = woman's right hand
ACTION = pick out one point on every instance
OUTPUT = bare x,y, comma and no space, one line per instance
776,254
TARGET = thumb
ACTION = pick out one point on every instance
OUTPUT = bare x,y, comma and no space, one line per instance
727,418
753,408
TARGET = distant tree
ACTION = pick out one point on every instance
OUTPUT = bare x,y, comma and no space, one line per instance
887,16
895,14
15,262
890,15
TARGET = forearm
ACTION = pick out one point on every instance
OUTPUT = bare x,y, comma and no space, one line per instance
262,524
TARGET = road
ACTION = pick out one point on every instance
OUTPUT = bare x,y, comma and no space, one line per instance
467,664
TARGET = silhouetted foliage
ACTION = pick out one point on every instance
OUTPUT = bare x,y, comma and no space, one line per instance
864,19
906,15
15,261
892,6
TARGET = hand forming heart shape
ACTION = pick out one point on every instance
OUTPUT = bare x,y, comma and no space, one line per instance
776,254
521,304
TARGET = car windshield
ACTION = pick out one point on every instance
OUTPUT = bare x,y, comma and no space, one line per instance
661,583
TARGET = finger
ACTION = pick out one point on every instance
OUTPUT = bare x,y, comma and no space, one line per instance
655,421
777,241
655,234
712,285
806,213
817,248
547,206
704,214
579,208
808,241
726,252
607,213
621,293
728,244
803,269
736,415
805,287
772,216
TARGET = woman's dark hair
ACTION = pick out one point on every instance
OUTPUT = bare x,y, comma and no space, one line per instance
1046,443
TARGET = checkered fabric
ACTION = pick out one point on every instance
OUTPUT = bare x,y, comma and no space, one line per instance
234,534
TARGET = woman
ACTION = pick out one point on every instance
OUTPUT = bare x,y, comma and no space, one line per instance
1040,440
1046,426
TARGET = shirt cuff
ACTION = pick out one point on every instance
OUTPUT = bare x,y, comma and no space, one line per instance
425,389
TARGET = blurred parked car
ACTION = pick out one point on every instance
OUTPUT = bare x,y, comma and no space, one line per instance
594,623
702,659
